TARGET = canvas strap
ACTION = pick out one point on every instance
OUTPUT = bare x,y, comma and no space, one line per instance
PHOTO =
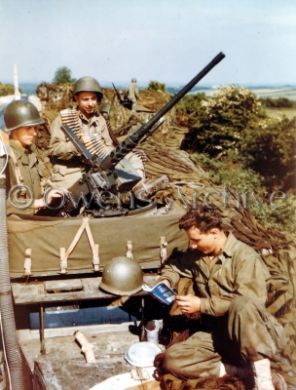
64,254
17,171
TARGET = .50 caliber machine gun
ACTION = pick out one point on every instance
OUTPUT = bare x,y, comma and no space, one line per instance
103,179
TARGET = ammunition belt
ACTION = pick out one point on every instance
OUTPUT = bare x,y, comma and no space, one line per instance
92,143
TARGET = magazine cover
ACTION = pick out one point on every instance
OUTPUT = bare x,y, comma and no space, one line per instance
116,119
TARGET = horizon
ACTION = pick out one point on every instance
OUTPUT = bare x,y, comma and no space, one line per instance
262,91
108,84
170,83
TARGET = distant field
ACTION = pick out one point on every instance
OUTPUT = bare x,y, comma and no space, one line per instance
273,93
278,112
289,93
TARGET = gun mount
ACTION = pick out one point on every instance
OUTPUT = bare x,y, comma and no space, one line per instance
102,176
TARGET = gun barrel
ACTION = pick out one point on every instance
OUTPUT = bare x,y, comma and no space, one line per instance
117,93
129,143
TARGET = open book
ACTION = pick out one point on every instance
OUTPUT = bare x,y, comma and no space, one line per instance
161,292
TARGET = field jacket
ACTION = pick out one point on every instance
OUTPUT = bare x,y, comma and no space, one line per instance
238,271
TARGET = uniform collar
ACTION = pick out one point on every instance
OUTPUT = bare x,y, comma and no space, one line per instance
24,155
18,148
90,120
228,248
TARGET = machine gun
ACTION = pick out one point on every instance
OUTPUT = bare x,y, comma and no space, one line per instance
103,175
123,100
129,143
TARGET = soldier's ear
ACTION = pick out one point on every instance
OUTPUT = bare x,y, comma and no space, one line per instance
215,231
76,97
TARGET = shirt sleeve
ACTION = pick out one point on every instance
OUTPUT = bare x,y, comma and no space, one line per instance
214,306
250,280
170,273
180,264
58,146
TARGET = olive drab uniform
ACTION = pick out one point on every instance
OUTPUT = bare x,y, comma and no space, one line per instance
234,325
24,168
67,163
133,93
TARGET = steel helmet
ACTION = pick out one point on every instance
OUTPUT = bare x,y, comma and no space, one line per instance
122,276
87,84
20,113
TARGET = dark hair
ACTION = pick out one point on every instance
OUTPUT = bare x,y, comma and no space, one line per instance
203,217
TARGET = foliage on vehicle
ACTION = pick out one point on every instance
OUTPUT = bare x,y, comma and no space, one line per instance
188,108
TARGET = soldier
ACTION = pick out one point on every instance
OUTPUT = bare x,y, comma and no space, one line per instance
230,293
90,126
25,171
133,93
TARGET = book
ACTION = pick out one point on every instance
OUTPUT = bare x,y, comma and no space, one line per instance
161,292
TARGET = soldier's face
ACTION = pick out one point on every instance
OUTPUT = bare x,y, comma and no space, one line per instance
87,102
203,242
25,135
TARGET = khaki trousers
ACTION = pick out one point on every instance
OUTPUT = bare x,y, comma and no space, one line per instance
247,333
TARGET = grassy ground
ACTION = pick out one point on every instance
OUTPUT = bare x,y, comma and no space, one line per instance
276,94
279,112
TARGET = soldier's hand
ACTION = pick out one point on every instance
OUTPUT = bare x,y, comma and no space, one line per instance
47,198
188,304
52,194
166,282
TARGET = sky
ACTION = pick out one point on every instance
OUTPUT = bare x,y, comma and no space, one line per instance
165,40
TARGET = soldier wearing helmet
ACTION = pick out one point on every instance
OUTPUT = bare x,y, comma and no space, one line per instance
25,171
89,124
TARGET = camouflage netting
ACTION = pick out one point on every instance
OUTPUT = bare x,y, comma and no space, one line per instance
190,184
54,94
